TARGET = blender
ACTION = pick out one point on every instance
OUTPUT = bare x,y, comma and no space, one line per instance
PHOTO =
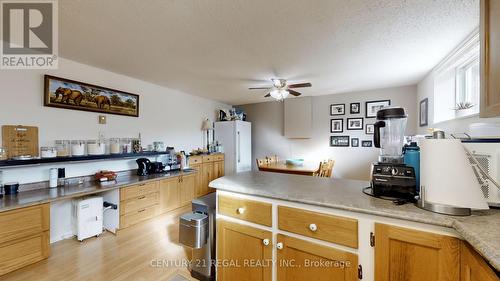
390,177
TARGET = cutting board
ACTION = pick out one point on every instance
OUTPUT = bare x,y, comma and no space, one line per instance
20,140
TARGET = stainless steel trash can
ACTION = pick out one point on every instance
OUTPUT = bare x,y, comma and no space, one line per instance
193,230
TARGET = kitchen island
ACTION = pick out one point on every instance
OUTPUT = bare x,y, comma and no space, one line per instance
335,214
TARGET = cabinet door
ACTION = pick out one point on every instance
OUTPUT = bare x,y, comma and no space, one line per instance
198,179
169,194
218,169
303,260
187,189
244,253
406,254
490,58
208,176
473,267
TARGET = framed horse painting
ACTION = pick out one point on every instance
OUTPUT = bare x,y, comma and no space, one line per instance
70,94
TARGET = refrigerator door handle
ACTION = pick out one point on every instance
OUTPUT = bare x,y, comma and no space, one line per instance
239,147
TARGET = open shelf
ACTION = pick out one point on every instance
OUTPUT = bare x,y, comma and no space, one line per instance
75,159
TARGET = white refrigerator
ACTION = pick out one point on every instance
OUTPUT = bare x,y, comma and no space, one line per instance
236,138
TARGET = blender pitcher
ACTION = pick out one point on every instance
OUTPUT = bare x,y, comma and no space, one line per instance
389,134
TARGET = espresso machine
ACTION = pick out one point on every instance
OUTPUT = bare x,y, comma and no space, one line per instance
391,178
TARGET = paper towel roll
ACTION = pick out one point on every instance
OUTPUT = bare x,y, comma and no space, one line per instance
447,176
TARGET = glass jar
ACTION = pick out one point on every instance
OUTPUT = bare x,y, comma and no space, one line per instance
115,146
48,152
126,145
3,153
63,148
77,148
96,147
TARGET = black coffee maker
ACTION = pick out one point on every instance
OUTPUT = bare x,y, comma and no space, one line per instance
144,166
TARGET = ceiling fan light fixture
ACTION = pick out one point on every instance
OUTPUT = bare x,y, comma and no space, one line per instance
279,94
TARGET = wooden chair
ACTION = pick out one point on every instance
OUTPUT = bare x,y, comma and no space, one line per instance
325,169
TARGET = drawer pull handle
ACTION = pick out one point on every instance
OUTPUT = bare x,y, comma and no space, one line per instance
142,197
240,211
140,211
265,242
279,246
142,184
313,227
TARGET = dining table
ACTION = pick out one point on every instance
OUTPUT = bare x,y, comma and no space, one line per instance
306,169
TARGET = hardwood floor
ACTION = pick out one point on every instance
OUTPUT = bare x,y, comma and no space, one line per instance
140,252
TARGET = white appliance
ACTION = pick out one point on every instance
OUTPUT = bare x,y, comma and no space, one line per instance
487,153
87,217
236,138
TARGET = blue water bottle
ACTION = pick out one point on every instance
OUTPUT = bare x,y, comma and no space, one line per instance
412,159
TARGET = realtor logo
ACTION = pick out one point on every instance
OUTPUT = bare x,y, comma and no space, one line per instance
29,35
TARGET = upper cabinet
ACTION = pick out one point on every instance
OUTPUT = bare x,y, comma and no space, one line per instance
298,118
490,58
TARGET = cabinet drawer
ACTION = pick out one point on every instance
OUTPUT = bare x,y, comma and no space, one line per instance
208,158
138,216
193,160
335,229
140,202
219,157
22,252
24,222
248,210
138,190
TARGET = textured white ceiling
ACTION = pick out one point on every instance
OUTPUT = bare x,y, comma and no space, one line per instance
219,48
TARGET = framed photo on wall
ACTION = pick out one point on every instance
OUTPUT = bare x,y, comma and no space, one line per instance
373,106
354,123
424,113
339,141
337,109
355,142
355,108
336,125
367,143
69,94
370,129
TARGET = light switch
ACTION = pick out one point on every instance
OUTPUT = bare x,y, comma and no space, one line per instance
102,119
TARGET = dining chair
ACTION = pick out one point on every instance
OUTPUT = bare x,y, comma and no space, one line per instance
325,169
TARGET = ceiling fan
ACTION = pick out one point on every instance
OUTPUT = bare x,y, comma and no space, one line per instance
280,89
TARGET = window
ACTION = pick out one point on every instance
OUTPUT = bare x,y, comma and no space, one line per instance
456,82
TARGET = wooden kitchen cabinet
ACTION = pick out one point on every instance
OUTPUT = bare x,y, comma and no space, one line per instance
490,58
473,267
170,195
244,253
138,203
198,179
218,169
24,237
187,189
302,260
406,254
208,176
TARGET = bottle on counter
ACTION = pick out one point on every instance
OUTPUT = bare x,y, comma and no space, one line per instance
61,176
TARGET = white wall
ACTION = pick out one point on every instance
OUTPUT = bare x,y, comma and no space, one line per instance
354,163
425,89
165,115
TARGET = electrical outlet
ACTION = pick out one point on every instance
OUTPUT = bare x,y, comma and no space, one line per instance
102,119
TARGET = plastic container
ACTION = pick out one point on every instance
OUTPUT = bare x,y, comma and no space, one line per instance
48,152
63,148
96,147
115,146
411,158
77,148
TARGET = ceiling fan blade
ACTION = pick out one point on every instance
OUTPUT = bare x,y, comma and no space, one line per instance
268,95
300,85
259,88
294,93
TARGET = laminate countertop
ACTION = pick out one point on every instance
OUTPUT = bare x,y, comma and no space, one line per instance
46,195
481,230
